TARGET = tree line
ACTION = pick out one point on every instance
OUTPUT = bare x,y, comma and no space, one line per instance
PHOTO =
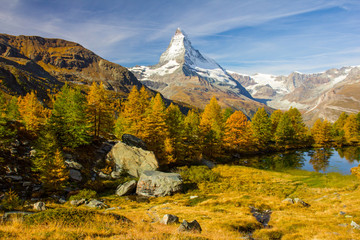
74,119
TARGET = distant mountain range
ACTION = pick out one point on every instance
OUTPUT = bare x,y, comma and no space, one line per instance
186,75
320,95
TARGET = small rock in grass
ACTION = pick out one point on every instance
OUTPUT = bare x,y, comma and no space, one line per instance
40,206
96,204
298,200
77,202
169,219
355,225
193,226
288,200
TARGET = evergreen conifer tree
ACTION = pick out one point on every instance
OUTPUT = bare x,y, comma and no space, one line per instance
69,119
261,128
285,131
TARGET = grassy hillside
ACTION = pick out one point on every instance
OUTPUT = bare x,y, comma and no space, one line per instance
224,195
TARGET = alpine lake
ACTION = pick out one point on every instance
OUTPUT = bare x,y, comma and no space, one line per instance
322,160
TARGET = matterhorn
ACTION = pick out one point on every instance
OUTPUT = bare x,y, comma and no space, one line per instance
184,74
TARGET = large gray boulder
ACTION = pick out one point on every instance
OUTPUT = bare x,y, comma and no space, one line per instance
158,184
126,188
132,159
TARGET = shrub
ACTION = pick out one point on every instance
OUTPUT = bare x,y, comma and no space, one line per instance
86,194
198,174
11,201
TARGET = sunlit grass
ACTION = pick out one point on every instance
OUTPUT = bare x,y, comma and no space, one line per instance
222,209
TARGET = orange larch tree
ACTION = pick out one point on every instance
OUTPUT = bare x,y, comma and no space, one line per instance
238,134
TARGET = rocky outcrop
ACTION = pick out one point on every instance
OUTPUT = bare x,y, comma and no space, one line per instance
126,188
134,160
158,184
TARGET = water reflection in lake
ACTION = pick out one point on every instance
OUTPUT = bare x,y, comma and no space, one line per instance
319,160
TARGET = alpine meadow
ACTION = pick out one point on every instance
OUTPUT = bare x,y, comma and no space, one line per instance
262,143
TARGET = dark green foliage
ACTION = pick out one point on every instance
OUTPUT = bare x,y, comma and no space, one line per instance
285,131
12,110
11,201
68,119
86,194
261,127
226,113
7,132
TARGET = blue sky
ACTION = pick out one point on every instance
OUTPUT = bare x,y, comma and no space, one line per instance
277,36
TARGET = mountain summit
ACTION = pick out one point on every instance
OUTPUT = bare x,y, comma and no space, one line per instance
186,75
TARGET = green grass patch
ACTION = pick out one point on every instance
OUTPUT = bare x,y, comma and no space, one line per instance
321,180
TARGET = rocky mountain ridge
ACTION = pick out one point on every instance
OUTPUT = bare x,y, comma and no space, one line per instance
320,95
35,63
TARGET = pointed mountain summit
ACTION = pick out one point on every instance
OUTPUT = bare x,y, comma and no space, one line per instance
184,74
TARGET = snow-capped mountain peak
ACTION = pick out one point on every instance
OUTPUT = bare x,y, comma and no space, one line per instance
181,50
180,54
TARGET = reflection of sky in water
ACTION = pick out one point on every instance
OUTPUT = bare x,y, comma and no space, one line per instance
336,164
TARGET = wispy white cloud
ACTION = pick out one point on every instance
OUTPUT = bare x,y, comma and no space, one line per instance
258,34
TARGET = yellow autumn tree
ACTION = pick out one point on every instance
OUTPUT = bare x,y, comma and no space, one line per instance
133,115
321,132
32,112
351,129
155,131
56,173
48,162
238,134
211,129
100,110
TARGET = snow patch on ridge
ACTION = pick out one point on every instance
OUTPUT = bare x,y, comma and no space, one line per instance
147,72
